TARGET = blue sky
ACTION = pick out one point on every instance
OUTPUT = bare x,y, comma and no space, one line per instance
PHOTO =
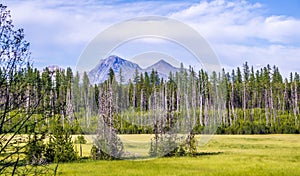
280,7
258,31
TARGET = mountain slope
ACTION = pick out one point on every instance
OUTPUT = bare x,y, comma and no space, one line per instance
100,73
163,68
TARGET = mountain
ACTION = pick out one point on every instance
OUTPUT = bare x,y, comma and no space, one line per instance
54,68
100,73
163,68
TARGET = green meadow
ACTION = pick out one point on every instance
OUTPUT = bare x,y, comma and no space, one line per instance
222,155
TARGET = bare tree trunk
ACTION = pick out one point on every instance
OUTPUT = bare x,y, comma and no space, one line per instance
295,102
252,107
232,104
172,109
244,100
266,107
206,112
69,107
178,96
194,96
200,112
271,105
278,108
260,108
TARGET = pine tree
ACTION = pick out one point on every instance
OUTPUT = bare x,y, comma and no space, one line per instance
60,147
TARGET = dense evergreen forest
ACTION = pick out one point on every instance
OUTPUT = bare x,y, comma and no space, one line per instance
244,101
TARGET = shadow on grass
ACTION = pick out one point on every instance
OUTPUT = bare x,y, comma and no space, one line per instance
137,158
198,154
208,153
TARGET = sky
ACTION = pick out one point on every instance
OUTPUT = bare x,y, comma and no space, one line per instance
260,32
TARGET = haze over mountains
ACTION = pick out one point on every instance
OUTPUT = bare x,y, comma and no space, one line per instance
100,72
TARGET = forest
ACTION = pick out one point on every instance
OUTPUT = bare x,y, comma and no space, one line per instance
246,102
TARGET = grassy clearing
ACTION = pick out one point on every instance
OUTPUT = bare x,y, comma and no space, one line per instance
223,155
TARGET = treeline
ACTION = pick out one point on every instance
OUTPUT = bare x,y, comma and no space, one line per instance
244,101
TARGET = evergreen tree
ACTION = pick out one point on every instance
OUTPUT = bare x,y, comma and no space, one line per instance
60,147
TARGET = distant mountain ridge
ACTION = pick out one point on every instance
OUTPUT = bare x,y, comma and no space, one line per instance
100,72
163,68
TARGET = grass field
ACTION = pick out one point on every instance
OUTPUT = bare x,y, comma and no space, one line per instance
223,155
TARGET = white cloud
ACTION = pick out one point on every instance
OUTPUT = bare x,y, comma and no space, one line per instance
59,30
55,25
228,22
285,57
239,31
280,29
